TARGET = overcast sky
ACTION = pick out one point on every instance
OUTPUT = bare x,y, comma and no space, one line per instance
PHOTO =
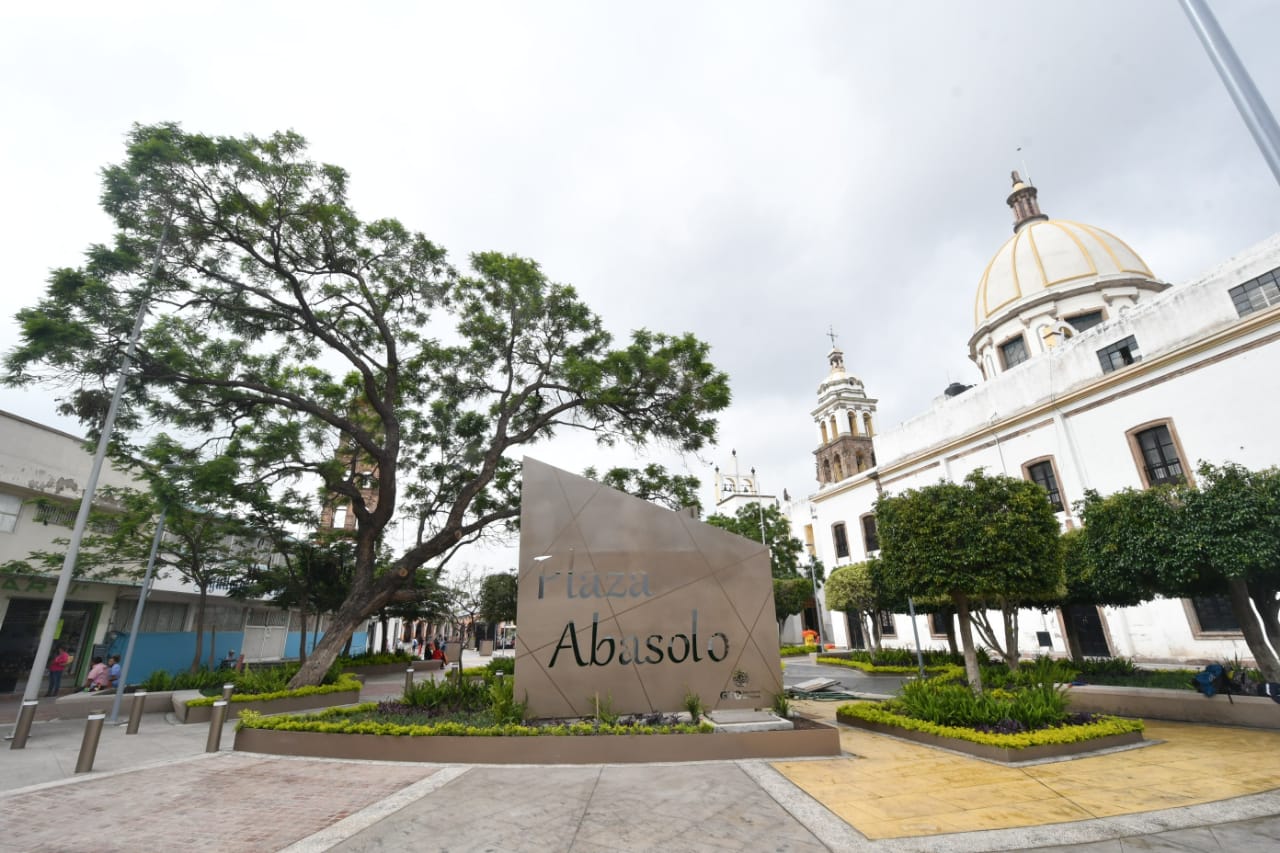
750,172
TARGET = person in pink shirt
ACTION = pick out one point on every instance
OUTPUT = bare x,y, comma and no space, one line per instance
99,676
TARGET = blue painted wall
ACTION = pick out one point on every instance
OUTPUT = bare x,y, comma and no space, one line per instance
172,651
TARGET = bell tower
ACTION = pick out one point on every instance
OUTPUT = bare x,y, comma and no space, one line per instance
845,417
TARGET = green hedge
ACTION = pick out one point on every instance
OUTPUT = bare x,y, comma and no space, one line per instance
947,669
344,682
796,651
874,712
332,722
374,659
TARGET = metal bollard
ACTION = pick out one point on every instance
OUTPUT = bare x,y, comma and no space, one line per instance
408,680
214,742
89,746
135,712
227,690
23,728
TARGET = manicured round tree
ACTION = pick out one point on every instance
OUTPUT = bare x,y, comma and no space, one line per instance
991,539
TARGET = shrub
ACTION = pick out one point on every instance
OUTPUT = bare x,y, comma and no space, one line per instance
348,721
694,705
375,658
201,679
948,704
343,684
503,704
506,666
796,651
1090,729
448,696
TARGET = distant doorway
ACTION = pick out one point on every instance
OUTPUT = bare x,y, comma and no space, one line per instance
20,635
1085,621
856,638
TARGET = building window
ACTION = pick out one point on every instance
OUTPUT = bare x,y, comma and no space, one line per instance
1261,292
841,540
887,626
1159,455
1214,614
869,538
340,516
1013,352
1119,354
10,506
159,617
47,513
939,623
1041,473
1080,322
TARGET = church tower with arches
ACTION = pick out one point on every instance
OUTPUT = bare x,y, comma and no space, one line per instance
845,420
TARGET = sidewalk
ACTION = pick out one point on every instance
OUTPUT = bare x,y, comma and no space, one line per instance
1199,788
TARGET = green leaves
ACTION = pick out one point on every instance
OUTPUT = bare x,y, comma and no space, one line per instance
317,344
988,537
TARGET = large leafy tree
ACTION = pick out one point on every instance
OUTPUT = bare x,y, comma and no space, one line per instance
1219,537
652,483
792,585
766,523
498,598
324,345
988,540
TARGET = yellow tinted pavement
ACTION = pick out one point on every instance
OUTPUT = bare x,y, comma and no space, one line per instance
893,788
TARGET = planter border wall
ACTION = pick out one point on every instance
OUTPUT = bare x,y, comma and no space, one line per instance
287,705
79,704
546,749
1003,754
1184,706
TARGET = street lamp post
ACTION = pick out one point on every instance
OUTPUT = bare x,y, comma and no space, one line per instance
32,689
137,617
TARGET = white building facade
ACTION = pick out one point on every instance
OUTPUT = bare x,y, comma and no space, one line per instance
1096,375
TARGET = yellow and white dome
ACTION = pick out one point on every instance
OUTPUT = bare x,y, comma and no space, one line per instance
1051,279
1049,253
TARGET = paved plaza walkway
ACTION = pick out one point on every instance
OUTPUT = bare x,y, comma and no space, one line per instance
1195,788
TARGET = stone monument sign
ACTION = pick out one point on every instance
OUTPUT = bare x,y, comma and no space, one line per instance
627,603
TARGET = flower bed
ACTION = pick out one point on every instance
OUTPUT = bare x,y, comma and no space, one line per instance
200,709
874,669
1055,741
339,733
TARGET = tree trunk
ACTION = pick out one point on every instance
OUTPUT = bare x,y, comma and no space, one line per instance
1009,614
988,634
875,632
1071,635
951,632
1264,599
213,647
195,662
302,639
386,633
1242,607
971,669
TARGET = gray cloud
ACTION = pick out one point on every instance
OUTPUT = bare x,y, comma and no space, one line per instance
751,172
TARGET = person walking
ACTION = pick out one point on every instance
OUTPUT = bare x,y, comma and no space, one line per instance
58,665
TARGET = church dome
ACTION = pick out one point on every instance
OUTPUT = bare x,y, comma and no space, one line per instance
1053,278
1048,253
